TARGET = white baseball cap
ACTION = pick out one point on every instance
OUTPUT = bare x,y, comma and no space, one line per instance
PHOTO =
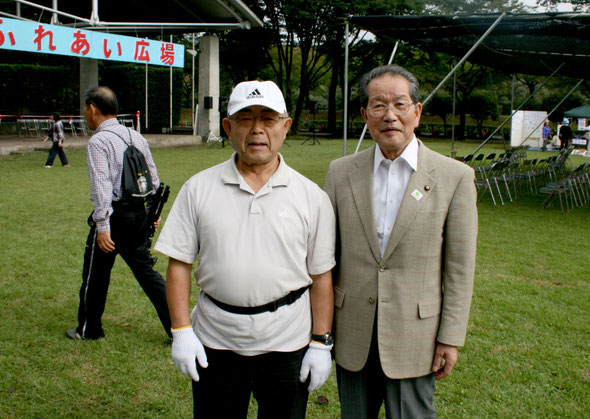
250,93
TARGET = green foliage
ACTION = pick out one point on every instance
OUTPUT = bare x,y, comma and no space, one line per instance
553,99
31,88
475,6
526,353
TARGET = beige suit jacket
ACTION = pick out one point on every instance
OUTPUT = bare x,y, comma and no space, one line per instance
421,289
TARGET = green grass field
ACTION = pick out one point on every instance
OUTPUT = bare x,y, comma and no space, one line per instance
528,346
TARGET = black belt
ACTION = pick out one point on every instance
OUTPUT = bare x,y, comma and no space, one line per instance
126,205
272,306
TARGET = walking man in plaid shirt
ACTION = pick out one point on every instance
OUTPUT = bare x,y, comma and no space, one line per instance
116,226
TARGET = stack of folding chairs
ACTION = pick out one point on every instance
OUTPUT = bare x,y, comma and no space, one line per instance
492,175
572,187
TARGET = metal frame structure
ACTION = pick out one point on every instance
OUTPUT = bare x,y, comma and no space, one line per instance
560,58
229,14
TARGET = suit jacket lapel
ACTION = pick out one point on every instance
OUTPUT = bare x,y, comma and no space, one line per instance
420,181
361,183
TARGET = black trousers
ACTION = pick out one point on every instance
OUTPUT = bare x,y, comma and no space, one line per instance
130,233
59,151
225,386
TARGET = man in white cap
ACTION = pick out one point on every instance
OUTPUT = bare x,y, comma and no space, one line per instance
264,238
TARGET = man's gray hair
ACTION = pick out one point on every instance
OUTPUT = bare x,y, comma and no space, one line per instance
393,69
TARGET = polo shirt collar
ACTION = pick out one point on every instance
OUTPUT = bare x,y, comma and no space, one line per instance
410,155
231,174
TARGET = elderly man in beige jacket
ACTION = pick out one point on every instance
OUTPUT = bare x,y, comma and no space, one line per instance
406,240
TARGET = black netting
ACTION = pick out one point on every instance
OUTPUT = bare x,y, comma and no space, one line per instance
529,44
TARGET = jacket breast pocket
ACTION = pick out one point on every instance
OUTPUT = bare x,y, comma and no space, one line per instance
429,308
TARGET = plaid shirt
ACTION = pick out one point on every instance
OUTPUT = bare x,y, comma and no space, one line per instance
105,166
57,132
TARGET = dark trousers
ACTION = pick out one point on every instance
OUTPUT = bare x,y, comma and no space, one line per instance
129,231
59,151
225,386
565,143
362,393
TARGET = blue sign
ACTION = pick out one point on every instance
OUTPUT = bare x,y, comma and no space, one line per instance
28,36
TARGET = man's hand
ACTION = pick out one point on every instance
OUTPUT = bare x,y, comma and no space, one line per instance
317,362
185,348
445,358
59,143
157,224
104,242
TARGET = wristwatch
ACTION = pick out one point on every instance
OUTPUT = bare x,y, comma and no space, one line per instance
327,339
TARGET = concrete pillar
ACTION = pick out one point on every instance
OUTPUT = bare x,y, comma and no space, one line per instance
208,120
88,78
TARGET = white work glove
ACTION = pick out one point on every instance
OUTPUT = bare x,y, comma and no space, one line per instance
185,348
317,362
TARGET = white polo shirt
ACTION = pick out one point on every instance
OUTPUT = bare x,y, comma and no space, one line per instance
253,248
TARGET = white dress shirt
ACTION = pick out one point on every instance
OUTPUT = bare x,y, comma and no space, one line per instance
390,180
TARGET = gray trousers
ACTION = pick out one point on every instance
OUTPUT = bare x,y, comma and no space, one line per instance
362,393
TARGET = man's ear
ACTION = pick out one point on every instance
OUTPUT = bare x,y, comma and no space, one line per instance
364,113
226,126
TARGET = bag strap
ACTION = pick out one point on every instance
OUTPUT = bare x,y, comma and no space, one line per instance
128,131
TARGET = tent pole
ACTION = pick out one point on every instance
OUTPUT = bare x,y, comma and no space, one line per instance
553,110
512,92
365,127
517,109
345,93
473,48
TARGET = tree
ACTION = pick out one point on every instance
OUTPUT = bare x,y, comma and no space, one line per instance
469,78
554,98
481,108
244,54
474,6
441,106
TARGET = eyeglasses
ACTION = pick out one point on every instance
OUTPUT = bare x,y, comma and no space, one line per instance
380,109
246,120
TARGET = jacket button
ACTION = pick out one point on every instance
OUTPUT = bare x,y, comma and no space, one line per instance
371,300
381,269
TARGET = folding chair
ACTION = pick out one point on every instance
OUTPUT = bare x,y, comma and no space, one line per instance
488,159
485,178
80,127
43,125
32,127
22,128
562,189
477,160
213,139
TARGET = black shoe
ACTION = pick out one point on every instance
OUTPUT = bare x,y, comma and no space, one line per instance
73,334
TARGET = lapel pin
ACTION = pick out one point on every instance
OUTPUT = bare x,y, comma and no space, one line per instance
426,187
417,195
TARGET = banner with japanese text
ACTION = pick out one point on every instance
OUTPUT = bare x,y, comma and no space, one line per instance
29,36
